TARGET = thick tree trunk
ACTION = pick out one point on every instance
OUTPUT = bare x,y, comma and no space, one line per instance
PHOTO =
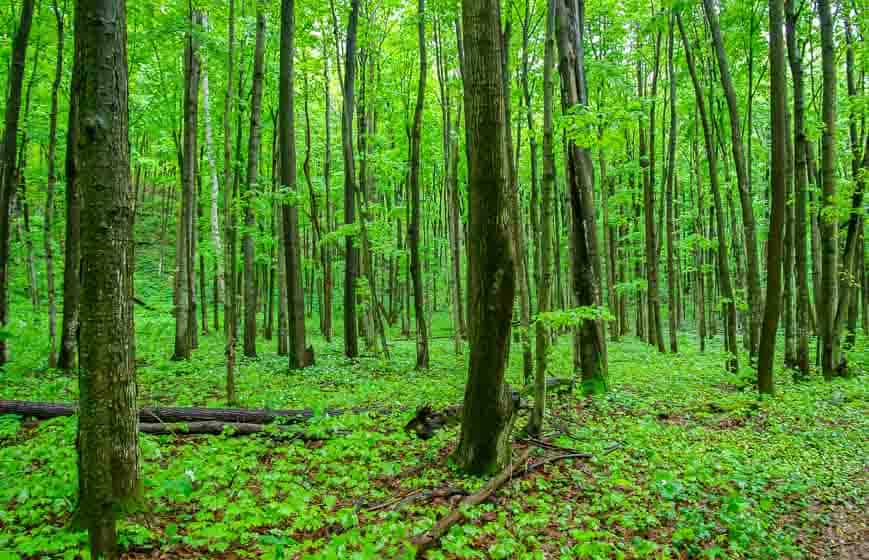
107,426
49,196
251,188
829,230
10,149
422,360
292,259
778,116
755,303
723,263
487,418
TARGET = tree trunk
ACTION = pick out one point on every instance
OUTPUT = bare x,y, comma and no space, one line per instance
351,340
752,267
723,263
422,360
829,230
251,189
293,261
671,174
10,150
778,116
107,439
487,417
327,188
579,176
535,424
49,196
184,262
215,190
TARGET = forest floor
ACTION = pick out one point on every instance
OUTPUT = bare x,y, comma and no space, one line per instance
703,468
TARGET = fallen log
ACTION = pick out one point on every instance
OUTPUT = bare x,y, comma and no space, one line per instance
169,414
218,428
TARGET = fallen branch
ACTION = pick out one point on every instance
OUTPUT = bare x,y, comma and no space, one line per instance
430,538
162,415
416,497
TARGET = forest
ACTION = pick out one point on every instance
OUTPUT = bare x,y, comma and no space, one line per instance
442,279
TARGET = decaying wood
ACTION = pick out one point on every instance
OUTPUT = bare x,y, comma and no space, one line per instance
164,415
212,427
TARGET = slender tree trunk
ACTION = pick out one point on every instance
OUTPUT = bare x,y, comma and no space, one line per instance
327,187
778,116
487,418
184,262
10,149
351,341
107,438
49,195
579,174
422,360
215,191
293,261
535,425
723,263
671,174
752,267
251,189
230,182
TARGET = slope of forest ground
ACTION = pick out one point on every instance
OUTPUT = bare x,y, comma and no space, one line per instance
703,468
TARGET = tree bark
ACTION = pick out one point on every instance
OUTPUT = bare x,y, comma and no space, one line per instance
49,196
535,425
778,116
829,230
107,426
671,174
292,259
579,173
752,267
422,359
185,312
215,190
487,418
10,150
251,188
723,263
351,339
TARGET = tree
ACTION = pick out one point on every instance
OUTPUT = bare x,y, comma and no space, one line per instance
52,180
579,179
828,223
801,190
671,175
9,153
251,182
543,291
185,263
722,259
422,361
286,133
351,341
753,268
778,113
108,418
487,414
